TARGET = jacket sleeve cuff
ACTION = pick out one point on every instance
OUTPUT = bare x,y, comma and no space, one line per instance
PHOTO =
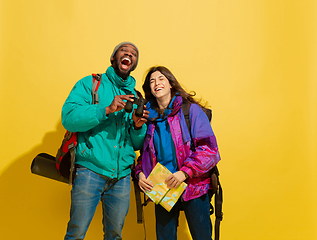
137,137
101,113
187,170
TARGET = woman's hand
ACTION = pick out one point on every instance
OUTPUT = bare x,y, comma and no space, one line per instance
144,184
174,180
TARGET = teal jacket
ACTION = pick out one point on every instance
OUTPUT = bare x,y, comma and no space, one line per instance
106,143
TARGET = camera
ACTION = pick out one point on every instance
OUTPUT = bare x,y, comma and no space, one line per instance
140,106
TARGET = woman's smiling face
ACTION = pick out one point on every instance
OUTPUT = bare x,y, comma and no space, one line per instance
160,86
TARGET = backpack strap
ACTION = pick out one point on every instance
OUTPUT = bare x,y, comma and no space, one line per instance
95,86
214,173
185,108
218,209
95,99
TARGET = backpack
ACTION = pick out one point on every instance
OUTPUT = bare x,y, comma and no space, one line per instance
217,189
65,157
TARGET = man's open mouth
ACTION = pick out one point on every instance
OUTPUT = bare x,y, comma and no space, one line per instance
125,63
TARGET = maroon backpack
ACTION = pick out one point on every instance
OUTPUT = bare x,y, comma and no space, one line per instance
65,157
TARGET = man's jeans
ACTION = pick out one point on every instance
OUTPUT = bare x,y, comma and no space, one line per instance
89,188
197,212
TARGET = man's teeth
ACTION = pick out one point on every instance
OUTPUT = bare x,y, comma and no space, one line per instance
126,59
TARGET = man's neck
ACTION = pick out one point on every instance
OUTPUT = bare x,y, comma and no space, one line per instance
123,76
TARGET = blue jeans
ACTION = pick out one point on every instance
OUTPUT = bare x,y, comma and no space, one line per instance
197,212
89,188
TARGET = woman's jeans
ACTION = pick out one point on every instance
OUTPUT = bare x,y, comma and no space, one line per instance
89,188
197,212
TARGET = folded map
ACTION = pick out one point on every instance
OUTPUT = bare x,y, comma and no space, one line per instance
160,193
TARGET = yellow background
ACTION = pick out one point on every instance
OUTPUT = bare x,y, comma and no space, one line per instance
254,61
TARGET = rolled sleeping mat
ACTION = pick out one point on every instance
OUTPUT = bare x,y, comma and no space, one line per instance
44,165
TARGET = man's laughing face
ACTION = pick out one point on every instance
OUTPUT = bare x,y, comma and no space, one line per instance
125,60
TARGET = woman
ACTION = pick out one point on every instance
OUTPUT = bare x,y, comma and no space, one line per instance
168,142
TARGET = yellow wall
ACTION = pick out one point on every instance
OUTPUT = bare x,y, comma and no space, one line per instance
252,60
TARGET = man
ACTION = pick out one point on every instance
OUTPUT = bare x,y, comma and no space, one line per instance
107,139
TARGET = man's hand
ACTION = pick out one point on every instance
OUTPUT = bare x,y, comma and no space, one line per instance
144,184
138,122
118,104
175,179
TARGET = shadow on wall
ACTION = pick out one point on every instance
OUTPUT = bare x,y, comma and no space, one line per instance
35,207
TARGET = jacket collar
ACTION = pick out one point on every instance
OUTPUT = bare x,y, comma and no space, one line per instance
128,85
177,104
172,109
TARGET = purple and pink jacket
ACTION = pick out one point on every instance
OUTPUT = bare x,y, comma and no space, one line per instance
196,164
